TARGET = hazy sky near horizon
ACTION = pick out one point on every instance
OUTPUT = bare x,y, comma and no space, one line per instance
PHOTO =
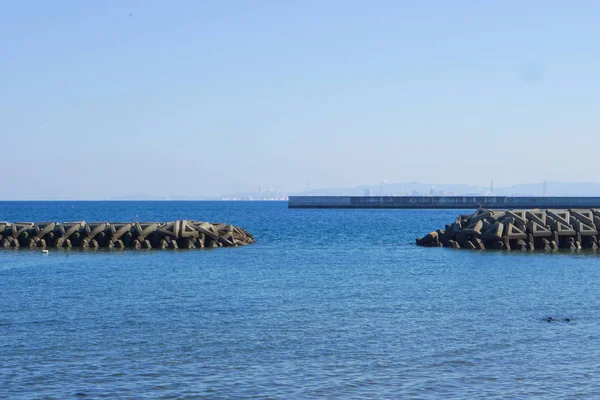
199,98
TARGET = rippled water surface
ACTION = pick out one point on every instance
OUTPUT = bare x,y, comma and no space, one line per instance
327,303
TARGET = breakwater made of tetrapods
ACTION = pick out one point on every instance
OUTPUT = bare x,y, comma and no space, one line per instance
134,235
545,229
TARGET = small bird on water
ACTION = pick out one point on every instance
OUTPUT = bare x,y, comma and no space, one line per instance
46,251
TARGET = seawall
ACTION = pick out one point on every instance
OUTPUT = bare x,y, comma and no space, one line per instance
135,235
441,202
547,229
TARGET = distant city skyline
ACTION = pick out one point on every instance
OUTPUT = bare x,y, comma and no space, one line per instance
201,99
396,189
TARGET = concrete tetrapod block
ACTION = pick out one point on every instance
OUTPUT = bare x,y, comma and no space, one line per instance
457,227
507,220
170,229
208,229
538,216
495,232
176,228
71,228
188,243
219,226
538,230
570,244
478,244
498,245
474,229
93,229
210,243
520,244
248,234
23,238
187,231
584,229
42,229
119,229
18,228
585,216
563,229
127,239
497,215
591,242
144,229
454,244
520,216
227,239
562,216
243,240
468,245
530,242
480,214
429,240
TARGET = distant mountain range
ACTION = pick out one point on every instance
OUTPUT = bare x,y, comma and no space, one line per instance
410,188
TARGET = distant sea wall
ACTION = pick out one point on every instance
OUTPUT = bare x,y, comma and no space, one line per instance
441,202
135,235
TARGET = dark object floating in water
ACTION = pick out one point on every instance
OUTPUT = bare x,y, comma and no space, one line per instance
550,319
548,229
136,235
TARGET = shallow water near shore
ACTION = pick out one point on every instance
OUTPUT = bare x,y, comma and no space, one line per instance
328,303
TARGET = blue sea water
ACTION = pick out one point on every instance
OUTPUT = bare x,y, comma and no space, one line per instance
327,303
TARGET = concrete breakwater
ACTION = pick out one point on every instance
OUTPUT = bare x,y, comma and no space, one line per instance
546,229
441,202
136,235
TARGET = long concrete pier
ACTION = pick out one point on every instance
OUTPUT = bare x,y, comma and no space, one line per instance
441,202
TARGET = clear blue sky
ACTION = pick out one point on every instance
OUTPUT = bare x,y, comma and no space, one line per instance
198,98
